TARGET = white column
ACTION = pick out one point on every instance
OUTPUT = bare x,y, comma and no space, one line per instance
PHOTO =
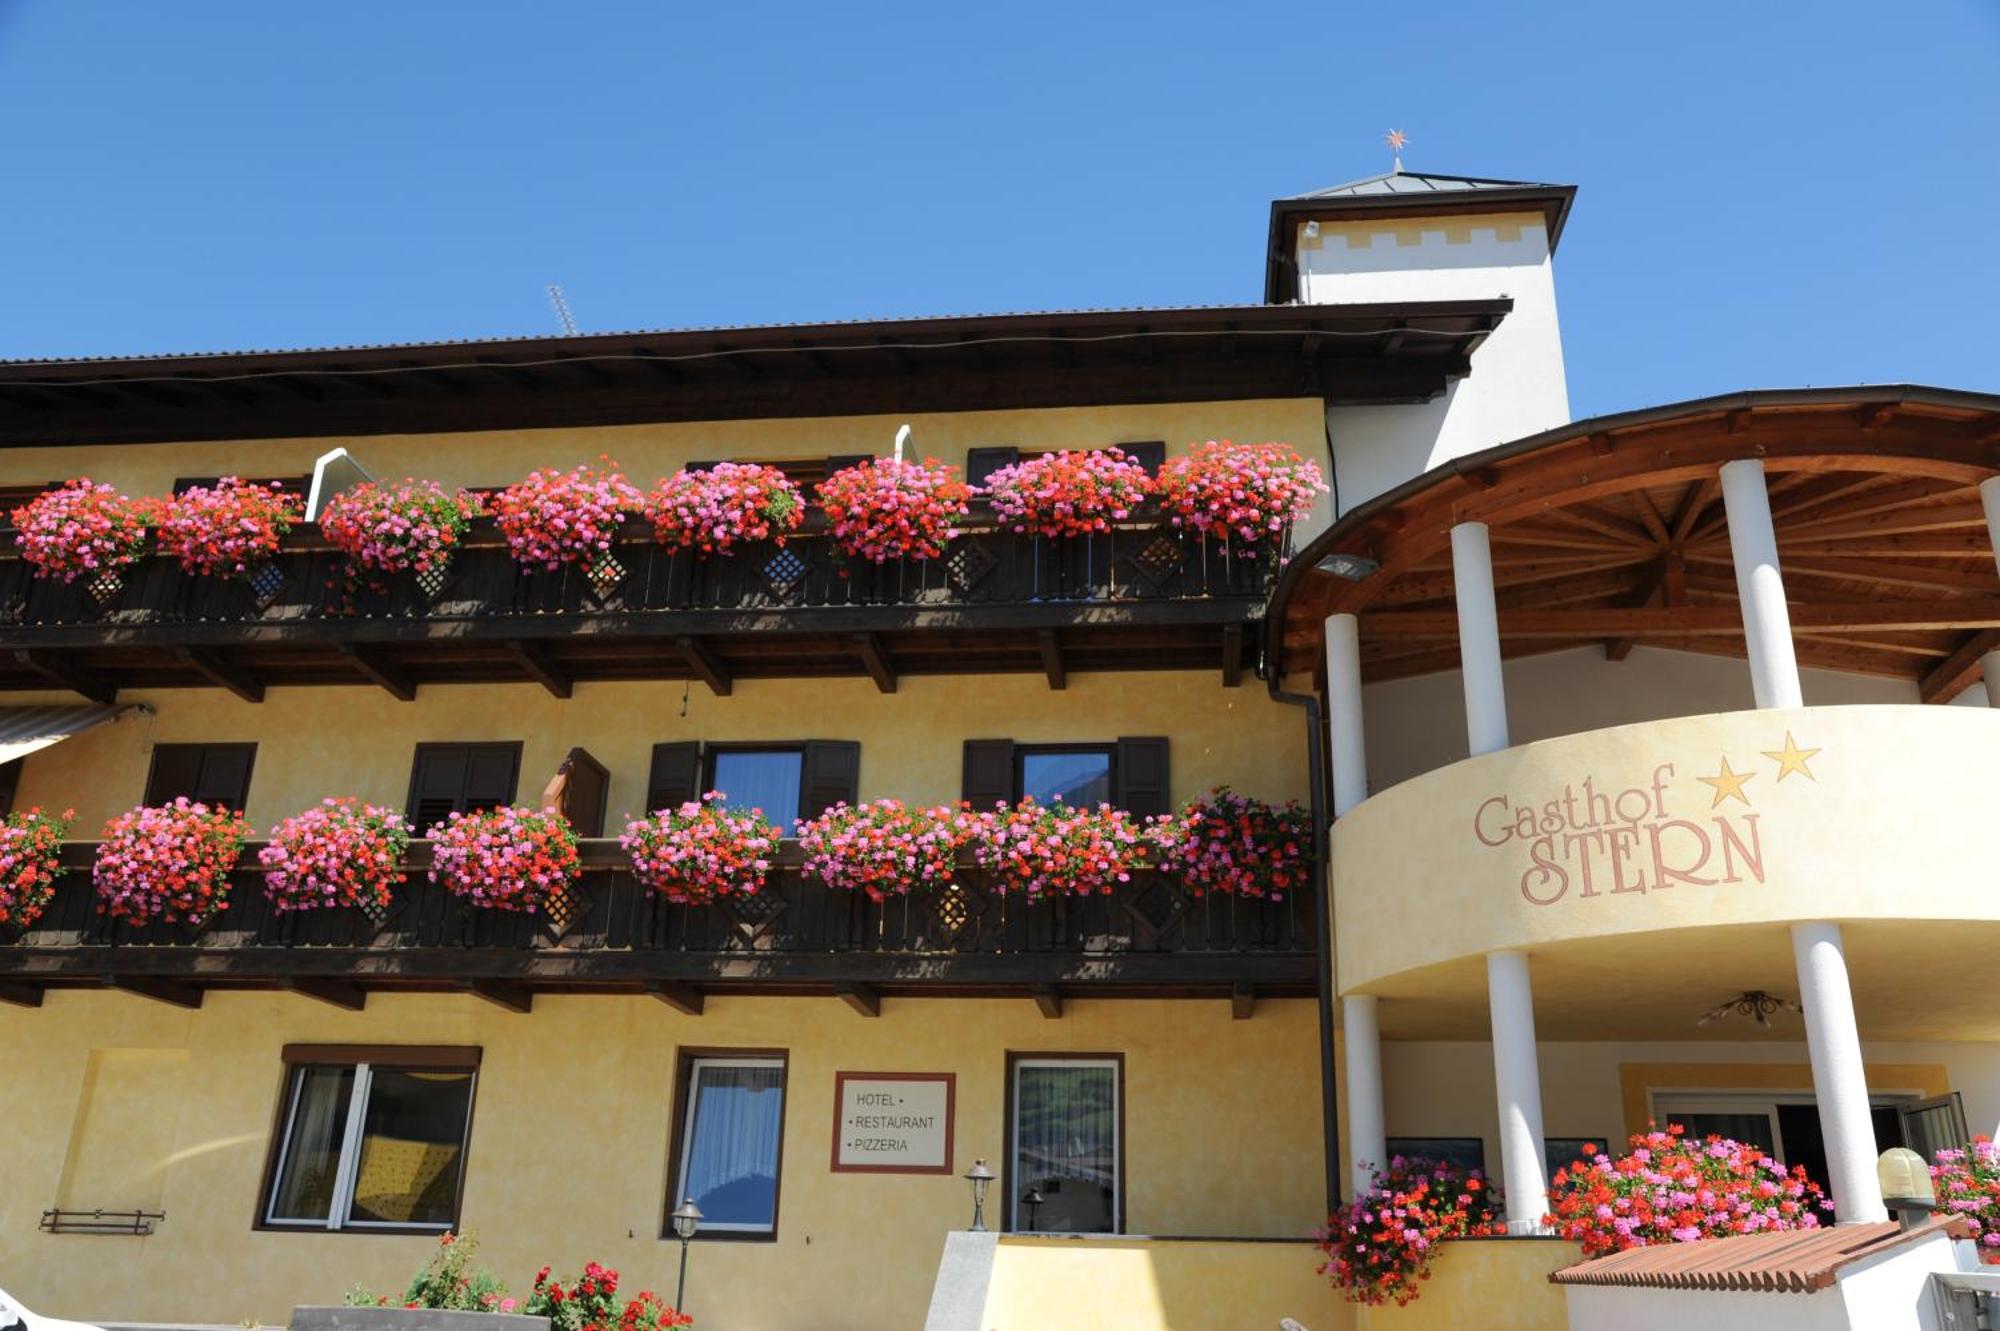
1478,638
1839,1082
1518,1079
1767,622
1367,1137
1343,712
1989,664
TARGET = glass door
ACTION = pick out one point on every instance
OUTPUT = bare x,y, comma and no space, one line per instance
1065,1153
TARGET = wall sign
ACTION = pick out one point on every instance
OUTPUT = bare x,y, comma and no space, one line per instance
893,1122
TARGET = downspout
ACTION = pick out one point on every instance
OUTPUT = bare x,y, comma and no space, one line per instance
1316,791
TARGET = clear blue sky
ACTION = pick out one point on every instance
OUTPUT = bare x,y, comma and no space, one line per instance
1772,193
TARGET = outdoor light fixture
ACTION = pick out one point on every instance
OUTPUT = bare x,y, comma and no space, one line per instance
979,1176
686,1220
1033,1201
1906,1185
1312,230
1752,1003
1352,567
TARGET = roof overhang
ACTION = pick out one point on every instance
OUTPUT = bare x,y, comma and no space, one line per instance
1374,353
1281,262
1611,531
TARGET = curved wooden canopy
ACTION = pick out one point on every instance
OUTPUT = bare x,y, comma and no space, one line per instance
1611,531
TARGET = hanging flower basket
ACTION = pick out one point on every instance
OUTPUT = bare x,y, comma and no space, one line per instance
338,853
885,848
511,858
1057,851
229,529
30,847
83,530
887,509
1379,1246
167,863
1239,492
1069,493
1226,842
701,851
1669,1189
403,527
715,510
554,518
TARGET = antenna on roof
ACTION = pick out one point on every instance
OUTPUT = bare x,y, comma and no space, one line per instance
562,309
1395,138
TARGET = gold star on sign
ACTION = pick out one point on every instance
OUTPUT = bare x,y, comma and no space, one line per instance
1791,759
1727,784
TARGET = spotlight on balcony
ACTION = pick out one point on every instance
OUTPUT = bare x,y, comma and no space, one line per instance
1349,566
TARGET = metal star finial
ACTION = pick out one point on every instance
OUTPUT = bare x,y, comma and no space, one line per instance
1395,138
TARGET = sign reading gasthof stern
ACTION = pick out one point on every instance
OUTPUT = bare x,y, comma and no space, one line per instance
893,1122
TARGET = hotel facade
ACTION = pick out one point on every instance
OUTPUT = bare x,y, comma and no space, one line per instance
1646,755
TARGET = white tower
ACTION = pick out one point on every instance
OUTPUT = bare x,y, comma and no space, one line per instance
1410,237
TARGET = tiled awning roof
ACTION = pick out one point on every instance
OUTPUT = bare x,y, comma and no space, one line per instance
1793,1262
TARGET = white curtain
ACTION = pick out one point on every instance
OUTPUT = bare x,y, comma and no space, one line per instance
732,1154
312,1152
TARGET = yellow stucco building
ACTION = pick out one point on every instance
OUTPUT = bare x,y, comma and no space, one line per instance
1626,803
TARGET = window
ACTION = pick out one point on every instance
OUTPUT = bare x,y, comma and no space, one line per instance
1560,1151
460,778
731,1141
790,782
217,774
1463,1152
1065,1143
1076,775
1131,773
372,1138
1786,1124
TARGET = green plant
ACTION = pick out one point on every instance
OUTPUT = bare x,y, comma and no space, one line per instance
448,1280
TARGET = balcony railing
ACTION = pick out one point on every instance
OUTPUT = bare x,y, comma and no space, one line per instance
1144,560
796,933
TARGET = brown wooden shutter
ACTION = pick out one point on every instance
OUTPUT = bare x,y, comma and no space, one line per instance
676,776
1149,454
10,782
175,772
699,466
491,773
225,775
1141,782
832,776
437,780
988,777
983,462
579,791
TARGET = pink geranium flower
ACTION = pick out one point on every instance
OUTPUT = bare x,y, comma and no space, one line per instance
82,529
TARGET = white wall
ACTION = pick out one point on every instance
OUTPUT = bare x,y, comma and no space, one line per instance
1595,1308
1517,386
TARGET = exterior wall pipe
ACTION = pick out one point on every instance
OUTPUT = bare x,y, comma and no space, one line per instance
1767,622
1316,795
1478,638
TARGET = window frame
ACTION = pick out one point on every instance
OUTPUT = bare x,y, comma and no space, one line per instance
1023,752
691,1059
1011,1221
247,747
298,1059
712,752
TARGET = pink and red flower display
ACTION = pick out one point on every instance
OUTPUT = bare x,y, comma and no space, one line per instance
30,849
1056,850
1071,493
702,851
229,528
554,518
1968,1189
716,509
338,853
1669,1189
508,858
885,848
589,1303
1226,842
82,529
167,863
887,509
1239,492
1379,1246
405,526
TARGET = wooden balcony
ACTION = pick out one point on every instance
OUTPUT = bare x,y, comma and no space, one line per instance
1146,939
1144,596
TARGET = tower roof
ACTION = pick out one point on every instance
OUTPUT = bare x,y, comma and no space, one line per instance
1403,194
